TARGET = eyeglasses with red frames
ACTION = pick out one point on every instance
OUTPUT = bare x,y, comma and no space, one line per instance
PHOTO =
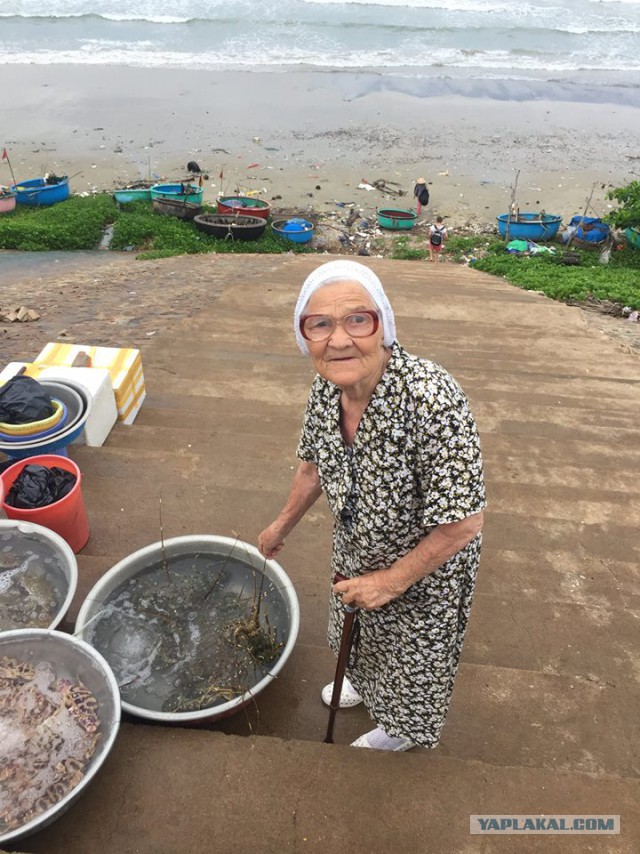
358,324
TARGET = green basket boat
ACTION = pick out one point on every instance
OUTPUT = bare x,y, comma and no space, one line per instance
633,236
178,192
132,194
396,219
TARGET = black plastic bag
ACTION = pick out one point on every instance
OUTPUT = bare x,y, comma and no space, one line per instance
23,400
39,486
421,192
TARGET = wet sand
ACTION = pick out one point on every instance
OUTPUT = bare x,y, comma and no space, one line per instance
310,138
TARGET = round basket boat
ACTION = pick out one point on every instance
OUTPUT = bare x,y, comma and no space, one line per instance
41,584
396,219
244,205
39,192
296,229
181,209
178,192
633,236
172,666
234,227
529,226
7,200
132,194
74,661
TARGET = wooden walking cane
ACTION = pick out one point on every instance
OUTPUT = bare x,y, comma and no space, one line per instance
343,656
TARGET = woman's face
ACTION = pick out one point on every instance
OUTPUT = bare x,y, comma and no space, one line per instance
343,360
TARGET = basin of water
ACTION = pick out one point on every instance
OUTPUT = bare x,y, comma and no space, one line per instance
194,628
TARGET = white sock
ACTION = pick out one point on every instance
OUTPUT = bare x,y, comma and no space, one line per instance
348,688
379,740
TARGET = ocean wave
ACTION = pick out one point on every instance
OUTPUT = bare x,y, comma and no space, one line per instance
151,19
478,6
615,27
120,53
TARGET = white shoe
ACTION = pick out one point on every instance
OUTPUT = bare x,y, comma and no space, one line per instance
377,739
349,697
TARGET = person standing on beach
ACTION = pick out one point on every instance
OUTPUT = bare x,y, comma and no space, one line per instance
437,237
421,193
390,439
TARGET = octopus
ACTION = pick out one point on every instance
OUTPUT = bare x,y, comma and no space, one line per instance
49,731
28,598
9,560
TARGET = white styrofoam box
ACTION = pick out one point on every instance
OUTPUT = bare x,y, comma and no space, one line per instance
97,382
104,412
10,371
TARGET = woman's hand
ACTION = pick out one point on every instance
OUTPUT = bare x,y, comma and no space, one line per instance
369,591
271,540
305,491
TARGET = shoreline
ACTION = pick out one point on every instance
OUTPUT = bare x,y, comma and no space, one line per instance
289,134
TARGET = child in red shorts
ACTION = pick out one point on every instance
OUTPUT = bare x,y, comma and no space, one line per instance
437,237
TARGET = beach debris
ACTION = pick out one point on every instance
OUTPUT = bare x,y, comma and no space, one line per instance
571,259
634,317
392,188
444,174
253,166
18,314
365,185
353,216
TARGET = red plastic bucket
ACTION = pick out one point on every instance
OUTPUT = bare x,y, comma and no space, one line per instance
67,517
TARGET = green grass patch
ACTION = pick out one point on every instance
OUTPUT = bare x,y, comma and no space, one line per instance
404,249
79,223
138,227
76,223
618,281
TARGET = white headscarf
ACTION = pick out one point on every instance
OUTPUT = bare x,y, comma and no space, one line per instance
346,271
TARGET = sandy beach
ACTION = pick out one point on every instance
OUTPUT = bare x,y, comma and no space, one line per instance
308,139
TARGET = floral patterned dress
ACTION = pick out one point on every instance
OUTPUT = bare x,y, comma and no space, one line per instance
415,463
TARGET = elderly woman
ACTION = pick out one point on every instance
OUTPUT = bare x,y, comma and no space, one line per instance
390,440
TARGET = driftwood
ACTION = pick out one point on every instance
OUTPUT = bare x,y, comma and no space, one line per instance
513,210
384,187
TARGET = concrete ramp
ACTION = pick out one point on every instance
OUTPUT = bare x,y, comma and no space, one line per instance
544,716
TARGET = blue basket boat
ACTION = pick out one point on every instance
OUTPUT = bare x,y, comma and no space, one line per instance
178,192
529,226
42,191
296,229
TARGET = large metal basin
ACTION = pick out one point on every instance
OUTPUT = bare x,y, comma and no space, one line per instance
217,546
80,661
68,562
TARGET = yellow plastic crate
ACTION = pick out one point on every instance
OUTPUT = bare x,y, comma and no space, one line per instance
124,366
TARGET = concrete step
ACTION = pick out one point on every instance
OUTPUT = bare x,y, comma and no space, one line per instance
164,791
